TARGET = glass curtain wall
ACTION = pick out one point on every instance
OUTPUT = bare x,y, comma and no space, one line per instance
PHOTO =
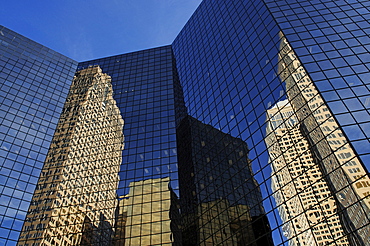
34,83
289,79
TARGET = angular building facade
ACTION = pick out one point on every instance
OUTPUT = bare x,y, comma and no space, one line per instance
34,85
345,175
199,130
229,60
144,85
157,149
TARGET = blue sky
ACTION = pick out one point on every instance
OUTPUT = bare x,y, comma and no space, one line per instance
84,30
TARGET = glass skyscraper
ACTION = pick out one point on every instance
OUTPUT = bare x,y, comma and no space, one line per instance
252,128
143,83
237,59
34,85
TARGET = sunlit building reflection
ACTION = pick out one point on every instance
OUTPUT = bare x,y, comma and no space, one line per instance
148,215
75,199
341,168
305,203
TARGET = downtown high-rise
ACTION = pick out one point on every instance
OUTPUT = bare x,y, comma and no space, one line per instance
252,128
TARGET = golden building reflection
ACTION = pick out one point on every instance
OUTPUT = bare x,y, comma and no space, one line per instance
148,215
340,166
75,198
305,203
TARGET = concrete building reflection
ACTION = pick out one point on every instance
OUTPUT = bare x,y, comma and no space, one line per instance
343,170
148,215
305,203
75,199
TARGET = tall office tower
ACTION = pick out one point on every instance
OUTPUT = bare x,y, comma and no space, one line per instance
34,83
228,68
221,202
149,95
305,203
75,198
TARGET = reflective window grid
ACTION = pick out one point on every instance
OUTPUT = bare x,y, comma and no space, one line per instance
252,128
143,87
290,79
34,85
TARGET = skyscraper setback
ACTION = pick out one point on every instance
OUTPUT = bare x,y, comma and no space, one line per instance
252,128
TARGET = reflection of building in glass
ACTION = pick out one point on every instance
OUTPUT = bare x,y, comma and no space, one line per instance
221,201
304,200
34,83
120,226
143,84
148,214
341,167
75,198
230,65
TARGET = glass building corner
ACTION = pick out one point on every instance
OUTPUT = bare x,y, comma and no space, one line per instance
251,128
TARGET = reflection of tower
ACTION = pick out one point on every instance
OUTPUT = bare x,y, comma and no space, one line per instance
75,199
143,86
305,203
340,165
148,214
120,227
221,201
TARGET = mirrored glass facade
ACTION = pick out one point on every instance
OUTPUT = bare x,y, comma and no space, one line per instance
221,202
252,128
34,84
75,197
240,62
144,88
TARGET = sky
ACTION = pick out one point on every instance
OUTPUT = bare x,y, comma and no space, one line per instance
85,30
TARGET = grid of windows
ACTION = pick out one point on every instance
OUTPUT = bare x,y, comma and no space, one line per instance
328,144
34,83
238,59
298,182
143,85
251,129
331,38
220,200
75,198
230,79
